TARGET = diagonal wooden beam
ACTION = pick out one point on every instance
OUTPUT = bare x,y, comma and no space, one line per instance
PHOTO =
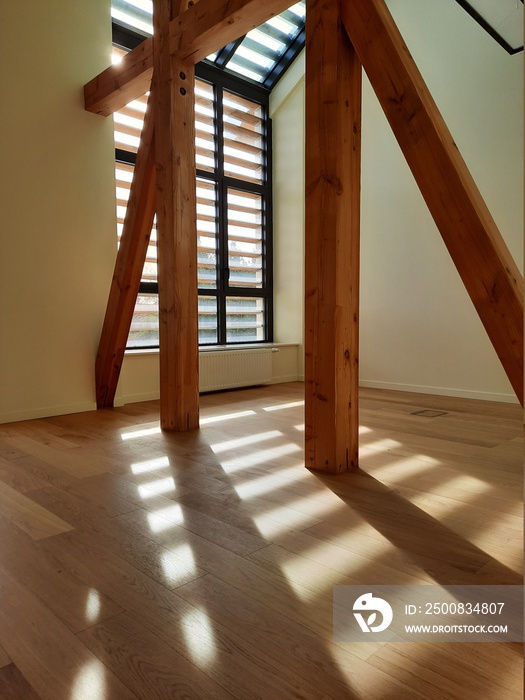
129,264
478,250
333,185
174,93
202,29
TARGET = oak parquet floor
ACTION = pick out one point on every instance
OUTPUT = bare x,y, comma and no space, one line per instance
137,564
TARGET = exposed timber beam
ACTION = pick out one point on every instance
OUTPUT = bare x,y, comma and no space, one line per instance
117,85
215,23
199,31
173,90
478,250
333,165
129,264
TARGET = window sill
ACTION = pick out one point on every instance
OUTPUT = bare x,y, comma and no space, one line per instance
215,348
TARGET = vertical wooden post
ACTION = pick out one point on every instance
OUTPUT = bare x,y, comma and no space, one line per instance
176,228
333,157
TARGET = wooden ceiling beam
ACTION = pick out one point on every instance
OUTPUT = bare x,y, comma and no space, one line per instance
118,85
213,24
490,275
205,27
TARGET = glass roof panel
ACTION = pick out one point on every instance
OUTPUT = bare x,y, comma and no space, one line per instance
261,56
263,48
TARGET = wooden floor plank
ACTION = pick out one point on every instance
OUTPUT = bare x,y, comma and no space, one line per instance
17,478
142,660
13,685
30,517
72,461
162,612
71,599
345,676
212,555
165,673
423,664
5,659
56,664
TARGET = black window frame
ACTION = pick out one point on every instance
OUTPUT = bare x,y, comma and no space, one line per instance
224,80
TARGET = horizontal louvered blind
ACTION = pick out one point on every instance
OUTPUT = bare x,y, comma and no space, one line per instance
230,199
243,146
205,147
244,238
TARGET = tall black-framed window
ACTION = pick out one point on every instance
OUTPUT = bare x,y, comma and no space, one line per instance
234,209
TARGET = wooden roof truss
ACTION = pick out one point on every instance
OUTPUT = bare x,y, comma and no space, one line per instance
342,36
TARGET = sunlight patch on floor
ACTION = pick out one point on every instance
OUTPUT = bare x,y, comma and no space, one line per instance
199,637
150,465
259,457
90,682
403,467
316,509
143,432
225,416
282,406
244,441
384,445
282,519
469,488
165,518
158,487
177,563
266,484
92,605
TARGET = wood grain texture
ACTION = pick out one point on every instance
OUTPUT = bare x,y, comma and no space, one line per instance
154,669
202,563
212,24
176,229
13,685
28,516
333,186
119,84
72,462
489,273
56,664
69,597
129,264
4,658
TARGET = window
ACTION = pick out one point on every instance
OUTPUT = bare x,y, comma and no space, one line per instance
233,186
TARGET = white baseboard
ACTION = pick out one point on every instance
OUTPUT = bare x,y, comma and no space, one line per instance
286,378
16,416
155,395
440,391
137,398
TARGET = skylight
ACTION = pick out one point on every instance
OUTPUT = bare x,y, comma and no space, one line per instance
261,56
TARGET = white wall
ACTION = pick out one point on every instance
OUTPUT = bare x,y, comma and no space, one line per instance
58,223
287,113
57,203
419,330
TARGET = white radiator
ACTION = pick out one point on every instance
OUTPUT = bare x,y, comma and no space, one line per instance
228,369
